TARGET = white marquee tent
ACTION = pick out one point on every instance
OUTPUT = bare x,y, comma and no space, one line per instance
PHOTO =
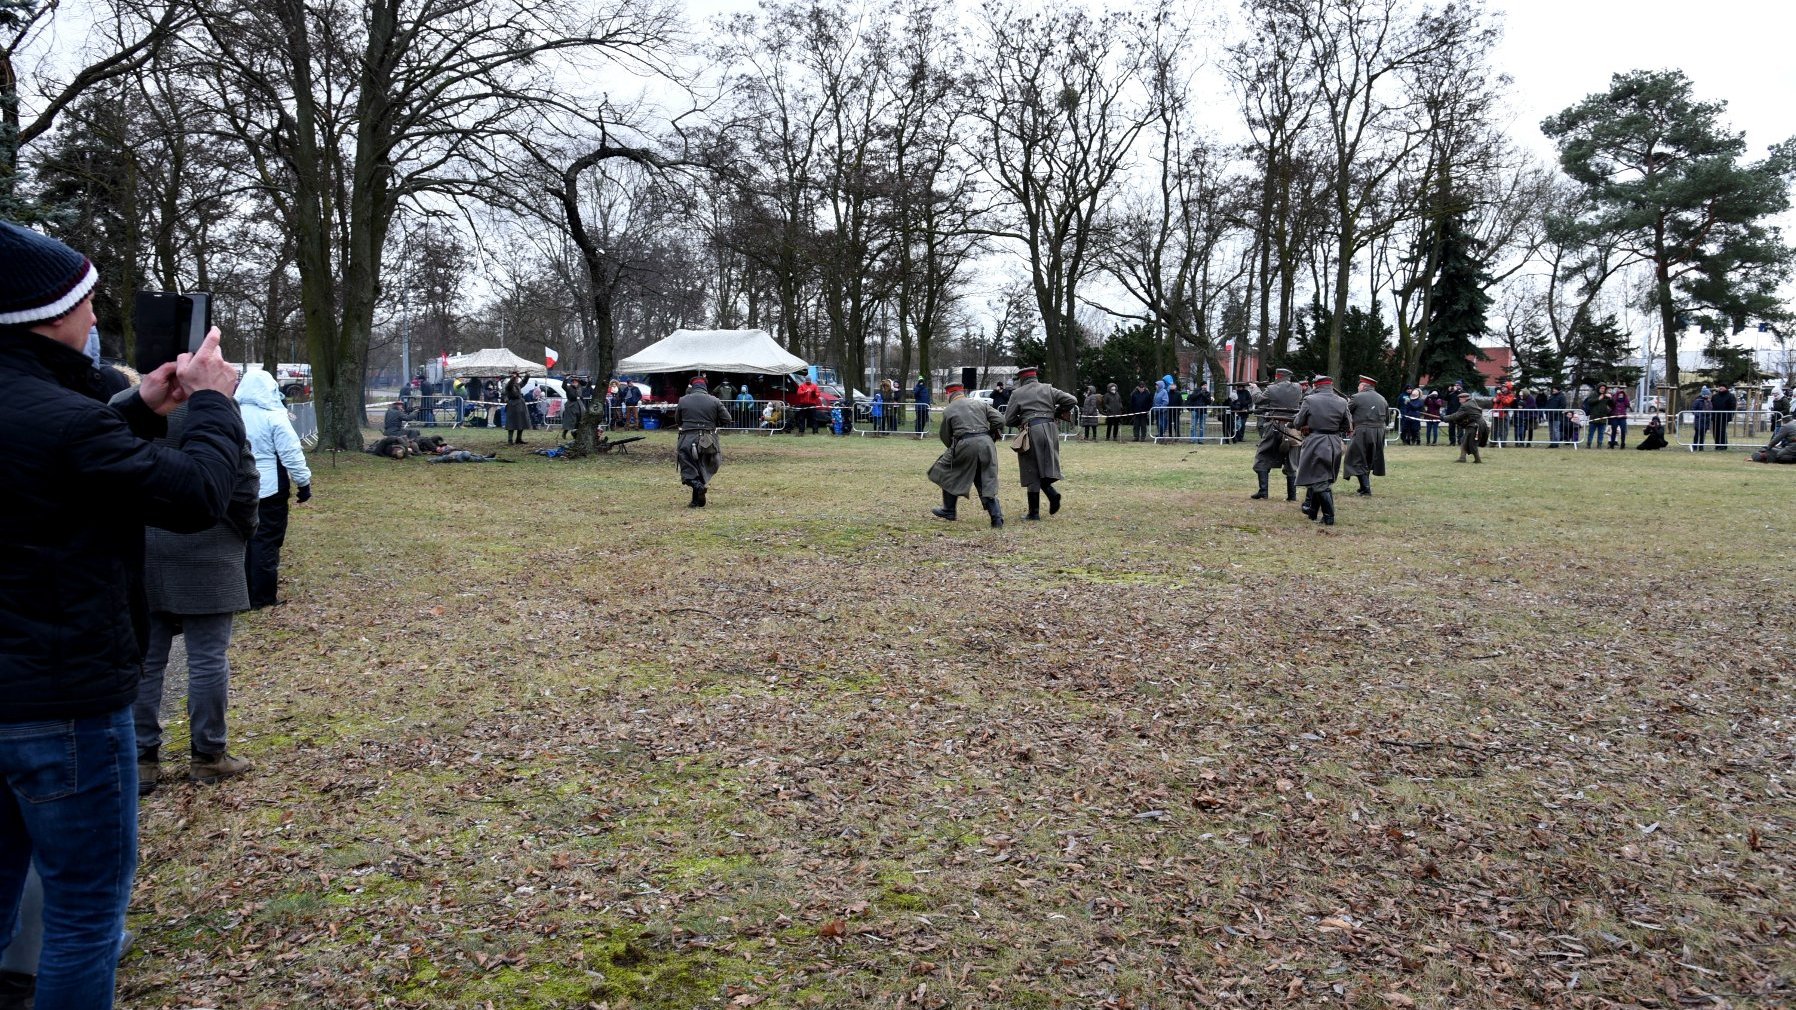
491,363
751,351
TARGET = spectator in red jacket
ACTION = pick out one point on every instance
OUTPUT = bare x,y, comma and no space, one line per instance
805,401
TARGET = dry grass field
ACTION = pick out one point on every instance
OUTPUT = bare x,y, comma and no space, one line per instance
536,736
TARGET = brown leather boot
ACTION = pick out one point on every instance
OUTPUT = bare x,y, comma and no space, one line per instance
210,768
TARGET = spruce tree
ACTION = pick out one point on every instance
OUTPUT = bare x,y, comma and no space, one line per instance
1598,352
1457,316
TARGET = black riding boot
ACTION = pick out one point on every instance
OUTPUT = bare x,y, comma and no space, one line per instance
1309,504
1034,505
698,499
992,509
1365,484
947,511
1053,497
1262,492
1290,487
1328,507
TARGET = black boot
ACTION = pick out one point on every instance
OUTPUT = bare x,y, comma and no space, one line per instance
698,499
1290,487
992,509
947,511
1328,507
1309,504
1034,505
1053,498
1365,485
1262,492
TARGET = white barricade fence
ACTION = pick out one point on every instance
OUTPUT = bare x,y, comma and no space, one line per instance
1214,425
763,416
1699,430
305,423
896,419
1519,427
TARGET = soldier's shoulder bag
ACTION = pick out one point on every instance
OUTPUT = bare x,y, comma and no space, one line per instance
1020,441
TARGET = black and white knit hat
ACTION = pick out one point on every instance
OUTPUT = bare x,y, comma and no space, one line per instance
40,278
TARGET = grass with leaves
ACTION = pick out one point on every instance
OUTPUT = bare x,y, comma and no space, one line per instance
535,735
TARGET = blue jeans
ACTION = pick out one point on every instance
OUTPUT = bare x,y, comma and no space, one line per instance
1199,421
70,806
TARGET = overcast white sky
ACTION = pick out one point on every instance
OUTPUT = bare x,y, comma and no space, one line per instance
1558,51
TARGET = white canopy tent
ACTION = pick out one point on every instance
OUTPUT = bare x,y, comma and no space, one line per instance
491,363
751,351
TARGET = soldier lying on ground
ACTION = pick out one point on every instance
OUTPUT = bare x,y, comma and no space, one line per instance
464,456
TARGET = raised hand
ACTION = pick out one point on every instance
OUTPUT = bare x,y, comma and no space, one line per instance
206,368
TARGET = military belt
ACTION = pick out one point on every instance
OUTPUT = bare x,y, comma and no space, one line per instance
976,434
1043,420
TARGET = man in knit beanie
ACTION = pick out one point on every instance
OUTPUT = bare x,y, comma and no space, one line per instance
82,480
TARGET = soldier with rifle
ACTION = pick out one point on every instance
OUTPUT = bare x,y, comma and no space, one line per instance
1037,408
1277,404
1324,421
969,431
1469,421
1365,454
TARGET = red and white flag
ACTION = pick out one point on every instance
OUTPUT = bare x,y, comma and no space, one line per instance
549,356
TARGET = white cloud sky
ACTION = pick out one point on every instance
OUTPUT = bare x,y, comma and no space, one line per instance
1558,51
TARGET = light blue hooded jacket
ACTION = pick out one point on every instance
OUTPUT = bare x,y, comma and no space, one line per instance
270,432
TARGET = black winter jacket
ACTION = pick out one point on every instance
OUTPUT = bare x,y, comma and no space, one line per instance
81,481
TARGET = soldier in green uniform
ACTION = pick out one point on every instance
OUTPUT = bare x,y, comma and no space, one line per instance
1036,408
969,429
699,452
1324,420
1365,453
1276,405
1469,419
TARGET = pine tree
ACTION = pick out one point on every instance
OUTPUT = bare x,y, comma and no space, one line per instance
1457,317
1733,364
1662,176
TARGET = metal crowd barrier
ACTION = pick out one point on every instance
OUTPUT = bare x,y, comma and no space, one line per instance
753,415
896,420
1190,425
1520,427
304,416
1697,430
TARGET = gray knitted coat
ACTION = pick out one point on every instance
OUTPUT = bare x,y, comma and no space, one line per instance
202,573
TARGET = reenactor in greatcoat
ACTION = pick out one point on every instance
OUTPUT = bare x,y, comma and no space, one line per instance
1365,453
969,431
1469,419
1037,408
700,452
1276,405
1324,421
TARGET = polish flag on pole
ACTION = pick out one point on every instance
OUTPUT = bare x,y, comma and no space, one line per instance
549,356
